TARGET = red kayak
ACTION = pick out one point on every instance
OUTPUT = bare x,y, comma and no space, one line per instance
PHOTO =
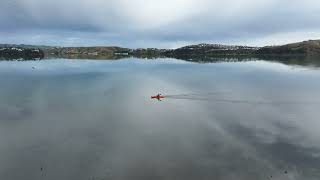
159,97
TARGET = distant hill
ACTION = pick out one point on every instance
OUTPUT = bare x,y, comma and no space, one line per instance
193,52
100,52
211,50
16,53
305,48
86,52
214,49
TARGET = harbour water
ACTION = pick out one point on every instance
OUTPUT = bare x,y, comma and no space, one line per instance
94,120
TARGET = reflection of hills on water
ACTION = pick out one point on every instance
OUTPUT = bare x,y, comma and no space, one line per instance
302,61
294,60
85,57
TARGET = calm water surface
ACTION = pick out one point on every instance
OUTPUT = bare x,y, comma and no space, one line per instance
94,120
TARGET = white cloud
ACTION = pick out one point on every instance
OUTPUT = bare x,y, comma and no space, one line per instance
154,13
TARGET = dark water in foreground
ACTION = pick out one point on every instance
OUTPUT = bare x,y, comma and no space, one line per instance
94,120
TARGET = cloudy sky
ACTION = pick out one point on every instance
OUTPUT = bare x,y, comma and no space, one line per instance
158,23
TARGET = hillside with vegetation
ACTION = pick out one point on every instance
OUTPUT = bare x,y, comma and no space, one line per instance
305,48
16,53
199,52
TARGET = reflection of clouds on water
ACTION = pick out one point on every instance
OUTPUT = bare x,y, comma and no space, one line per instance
284,135
86,123
14,112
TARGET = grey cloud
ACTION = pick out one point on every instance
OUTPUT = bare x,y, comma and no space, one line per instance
155,23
